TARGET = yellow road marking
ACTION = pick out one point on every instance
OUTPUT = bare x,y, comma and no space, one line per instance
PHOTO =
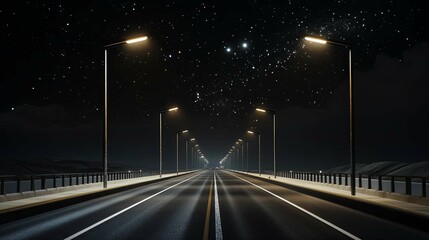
209,204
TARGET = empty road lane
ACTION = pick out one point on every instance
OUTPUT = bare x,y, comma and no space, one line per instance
209,204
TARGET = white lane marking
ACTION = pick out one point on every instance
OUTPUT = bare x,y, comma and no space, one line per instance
306,211
218,225
124,210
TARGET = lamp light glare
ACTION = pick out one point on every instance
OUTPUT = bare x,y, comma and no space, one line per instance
134,40
316,40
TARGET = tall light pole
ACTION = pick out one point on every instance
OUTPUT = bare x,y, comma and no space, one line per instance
194,156
192,152
186,156
259,148
106,47
247,157
177,149
242,154
160,136
234,157
351,126
274,136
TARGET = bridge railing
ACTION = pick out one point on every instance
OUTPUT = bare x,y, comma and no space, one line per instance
408,185
22,183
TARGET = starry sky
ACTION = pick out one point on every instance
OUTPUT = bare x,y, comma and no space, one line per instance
216,61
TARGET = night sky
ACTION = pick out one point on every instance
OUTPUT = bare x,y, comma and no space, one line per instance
216,62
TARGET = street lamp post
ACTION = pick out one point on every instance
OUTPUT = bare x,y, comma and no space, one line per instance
177,149
274,137
186,156
234,158
194,156
247,157
240,141
351,126
106,47
259,148
160,136
192,152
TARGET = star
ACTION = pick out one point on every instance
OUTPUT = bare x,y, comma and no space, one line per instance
244,45
228,49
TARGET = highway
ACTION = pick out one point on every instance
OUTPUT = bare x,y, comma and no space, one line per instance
211,204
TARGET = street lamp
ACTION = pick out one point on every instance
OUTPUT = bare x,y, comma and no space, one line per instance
194,155
259,148
177,149
106,47
192,139
234,157
351,127
160,136
242,154
274,135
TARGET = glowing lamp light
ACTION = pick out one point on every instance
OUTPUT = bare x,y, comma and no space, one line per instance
134,40
316,40
261,110
173,109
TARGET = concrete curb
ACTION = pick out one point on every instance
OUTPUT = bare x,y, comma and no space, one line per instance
408,218
43,192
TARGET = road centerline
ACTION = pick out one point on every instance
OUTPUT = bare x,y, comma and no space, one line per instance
302,209
218,223
125,209
207,221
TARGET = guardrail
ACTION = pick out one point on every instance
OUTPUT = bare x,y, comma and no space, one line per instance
407,185
18,184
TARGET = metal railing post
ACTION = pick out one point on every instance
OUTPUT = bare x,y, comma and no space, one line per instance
340,180
18,184
380,183
360,180
408,186
43,182
2,186
369,182
32,183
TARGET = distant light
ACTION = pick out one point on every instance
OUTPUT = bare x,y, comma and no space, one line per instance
134,40
320,171
316,40
13,109
228,49
244,45
250,132
240,140
185,131
192,139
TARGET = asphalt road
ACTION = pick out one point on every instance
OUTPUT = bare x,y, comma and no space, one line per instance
207,205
